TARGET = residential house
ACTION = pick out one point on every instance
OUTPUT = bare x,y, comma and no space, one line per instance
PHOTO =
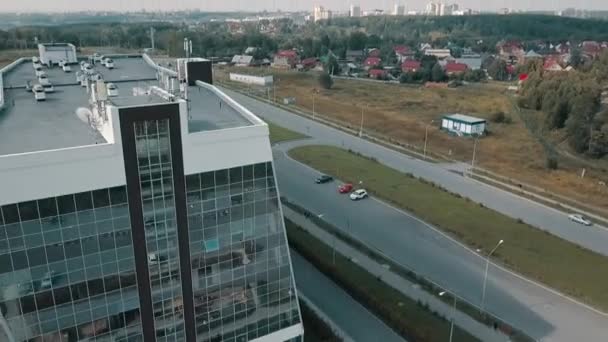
424,46
373,52
354,56
511,52
467,52
371,62
403,53
552,64
473,63
250,50
439,53
591,49
531,56
563,48
242,60
285,59
411,66
455,68
308,63
378,74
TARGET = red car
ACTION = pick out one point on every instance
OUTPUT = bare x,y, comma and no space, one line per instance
345,188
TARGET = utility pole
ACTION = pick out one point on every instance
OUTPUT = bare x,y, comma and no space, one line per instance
426,136
152,37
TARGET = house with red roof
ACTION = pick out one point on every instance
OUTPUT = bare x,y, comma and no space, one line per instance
372,62
455,68
591,49
551,64
373,52
403,52
511,51
410,66
378,74
285,59
308,63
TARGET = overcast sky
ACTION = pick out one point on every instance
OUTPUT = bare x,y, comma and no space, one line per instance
255,5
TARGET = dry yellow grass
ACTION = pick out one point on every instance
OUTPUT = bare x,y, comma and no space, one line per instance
402,113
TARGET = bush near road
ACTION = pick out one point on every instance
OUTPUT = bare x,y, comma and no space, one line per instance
537,254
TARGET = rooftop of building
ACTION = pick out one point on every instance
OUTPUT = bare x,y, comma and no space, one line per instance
29,126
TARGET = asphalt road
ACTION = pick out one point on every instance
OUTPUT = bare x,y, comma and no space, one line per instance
350,316
594,238
539,311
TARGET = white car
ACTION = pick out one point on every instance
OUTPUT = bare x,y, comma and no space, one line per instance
580,219
358,194
43,79
66,68
38,70
48,88
38,91
112,90
109,63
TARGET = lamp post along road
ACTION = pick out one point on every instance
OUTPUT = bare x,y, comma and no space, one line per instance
426,136
485,277
453,314
474,154
361,124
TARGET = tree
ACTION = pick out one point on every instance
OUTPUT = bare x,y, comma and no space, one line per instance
576,58
357,40
325,81
498,70
437,73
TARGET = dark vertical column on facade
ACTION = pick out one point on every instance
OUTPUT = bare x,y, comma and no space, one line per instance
128,117
181,215
137,226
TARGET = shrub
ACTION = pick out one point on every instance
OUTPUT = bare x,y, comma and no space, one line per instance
325,81
498,117
552,163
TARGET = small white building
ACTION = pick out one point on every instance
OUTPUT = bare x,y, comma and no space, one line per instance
55,52
251,79
463,124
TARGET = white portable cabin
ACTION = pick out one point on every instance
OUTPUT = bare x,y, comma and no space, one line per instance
56,52
463,124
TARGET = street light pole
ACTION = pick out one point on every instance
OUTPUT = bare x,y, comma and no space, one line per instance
313,105
426,136
361,125
453,314
474,152
485,277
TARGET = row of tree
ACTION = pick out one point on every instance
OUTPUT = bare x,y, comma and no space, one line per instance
571,101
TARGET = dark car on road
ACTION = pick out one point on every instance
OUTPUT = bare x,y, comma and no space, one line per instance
323,179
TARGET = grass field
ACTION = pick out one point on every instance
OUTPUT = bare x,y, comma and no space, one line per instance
406,316
280,134
556,262
402,113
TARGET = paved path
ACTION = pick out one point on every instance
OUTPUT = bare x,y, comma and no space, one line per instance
536,214
477,329
351,317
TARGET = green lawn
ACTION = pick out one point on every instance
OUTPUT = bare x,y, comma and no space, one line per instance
279,134
411,319
527,250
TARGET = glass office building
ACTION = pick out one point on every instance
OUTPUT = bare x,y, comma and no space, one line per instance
165,226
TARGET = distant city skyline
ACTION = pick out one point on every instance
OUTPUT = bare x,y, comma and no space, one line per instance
285,5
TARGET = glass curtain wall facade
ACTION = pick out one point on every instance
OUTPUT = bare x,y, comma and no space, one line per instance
241,276
154,166
67,270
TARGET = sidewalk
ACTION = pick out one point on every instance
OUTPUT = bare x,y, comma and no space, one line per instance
404,286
